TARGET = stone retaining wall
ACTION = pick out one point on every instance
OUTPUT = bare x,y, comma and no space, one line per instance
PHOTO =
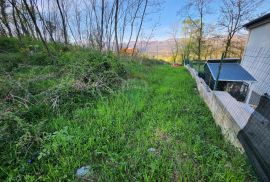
241,123
229,114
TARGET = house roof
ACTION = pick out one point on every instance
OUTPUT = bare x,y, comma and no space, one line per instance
230,72
225,60
259,21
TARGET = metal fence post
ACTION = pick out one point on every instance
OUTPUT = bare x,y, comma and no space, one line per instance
219,69
199,67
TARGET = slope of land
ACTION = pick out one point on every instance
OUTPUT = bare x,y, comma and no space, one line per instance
149,126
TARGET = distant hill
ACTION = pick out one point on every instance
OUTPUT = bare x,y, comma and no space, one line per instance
213,47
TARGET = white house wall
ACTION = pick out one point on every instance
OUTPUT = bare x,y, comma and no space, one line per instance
256,58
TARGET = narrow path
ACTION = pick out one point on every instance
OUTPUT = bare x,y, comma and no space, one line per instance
156,129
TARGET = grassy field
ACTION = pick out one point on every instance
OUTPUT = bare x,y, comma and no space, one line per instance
155,128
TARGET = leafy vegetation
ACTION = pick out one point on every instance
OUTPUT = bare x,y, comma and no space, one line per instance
127,121
33,93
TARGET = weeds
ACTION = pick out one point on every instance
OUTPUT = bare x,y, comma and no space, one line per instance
152,126
34,92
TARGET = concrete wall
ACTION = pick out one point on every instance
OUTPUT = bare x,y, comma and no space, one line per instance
256,58
229,114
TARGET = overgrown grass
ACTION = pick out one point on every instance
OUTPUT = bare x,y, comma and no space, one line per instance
82,113
33,93
158,108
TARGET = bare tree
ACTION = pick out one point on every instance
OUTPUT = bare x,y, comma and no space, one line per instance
14,17
32,15
137,8
116,25
78,21
64,25
102,24
45,24
124,14
109,28
4,16
25,26
140,27
234,13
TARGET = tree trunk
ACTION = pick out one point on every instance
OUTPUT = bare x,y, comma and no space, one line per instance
116,25
44,23
200,36
15,20
102,25
33,18
228,45
139,31
2,30
5,16
132,24
63,22
21,21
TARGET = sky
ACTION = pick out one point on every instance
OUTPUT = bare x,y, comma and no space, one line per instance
169,15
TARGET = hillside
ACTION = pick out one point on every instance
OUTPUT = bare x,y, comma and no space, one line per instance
214,47
34,93
107,119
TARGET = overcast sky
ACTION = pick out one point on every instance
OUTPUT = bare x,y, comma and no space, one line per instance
169,15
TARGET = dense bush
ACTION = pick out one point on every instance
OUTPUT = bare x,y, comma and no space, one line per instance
10,61
8,44
32,92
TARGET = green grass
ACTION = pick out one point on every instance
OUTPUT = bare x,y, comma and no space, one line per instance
158,107
34,93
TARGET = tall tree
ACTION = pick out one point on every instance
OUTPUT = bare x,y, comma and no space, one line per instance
140,27
176,48
188,44
33,18
63,20
24,24
4,16
116,25
46,24
197,9
234,13
137,8
14,13
102,24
